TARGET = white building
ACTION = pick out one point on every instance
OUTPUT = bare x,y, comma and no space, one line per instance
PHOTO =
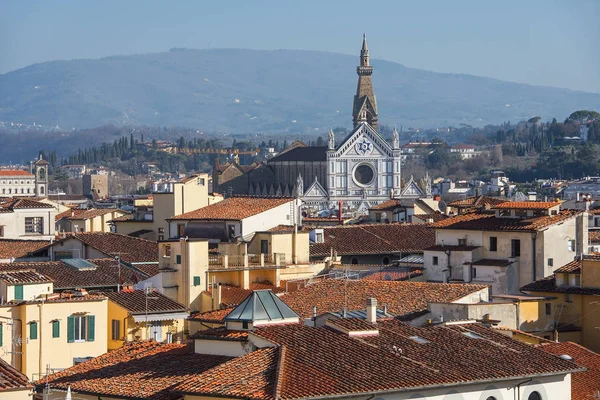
27,219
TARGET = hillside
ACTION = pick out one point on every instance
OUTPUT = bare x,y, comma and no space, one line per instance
245,91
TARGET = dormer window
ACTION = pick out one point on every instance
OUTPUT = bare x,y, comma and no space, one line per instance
462,242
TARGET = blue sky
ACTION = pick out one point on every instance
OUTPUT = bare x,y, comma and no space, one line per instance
541,42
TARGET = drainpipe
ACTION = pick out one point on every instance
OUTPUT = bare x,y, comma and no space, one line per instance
533,255
41,337
447,253
517,394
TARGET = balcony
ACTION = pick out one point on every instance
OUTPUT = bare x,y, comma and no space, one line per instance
246,261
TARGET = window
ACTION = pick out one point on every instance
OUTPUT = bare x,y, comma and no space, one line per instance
491,398
161,230
116,329
515,248
18,292
462,242
435,260
34,225
534,396
196,281
244,324
201,181
231,231
548,309
386,260
378,217
493,243
178,259
568,297
81,328
264,247
550,262
55,328
1,230
168,250
571,245
181,230
33,331
161,237
474,272
319,238
354,261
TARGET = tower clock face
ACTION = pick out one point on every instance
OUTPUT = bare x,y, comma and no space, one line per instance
364,174
363,147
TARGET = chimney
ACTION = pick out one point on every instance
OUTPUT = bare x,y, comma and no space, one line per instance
218,296
581,234
578,197
372,310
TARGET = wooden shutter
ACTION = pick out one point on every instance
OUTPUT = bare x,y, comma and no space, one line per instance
178,258
196,281
91,328
1,334
33,331
116,329
55,329
70,329
18,292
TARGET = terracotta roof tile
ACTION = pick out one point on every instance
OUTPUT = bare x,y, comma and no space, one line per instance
489,222
584,385
374,239
235,208
548,285
234,295
16,172
78,213
214,317
388,275
401,297
574,267
12,379
221,333
23,276
23,203
526,205
594,237
145,370
477,201
106,273
13,248
435,217
388,205
134,301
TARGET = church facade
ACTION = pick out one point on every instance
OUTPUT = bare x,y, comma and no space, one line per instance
360,171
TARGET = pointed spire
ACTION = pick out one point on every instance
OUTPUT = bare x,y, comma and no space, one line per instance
364,47
364,52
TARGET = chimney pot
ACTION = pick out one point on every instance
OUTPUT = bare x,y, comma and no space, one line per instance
372,310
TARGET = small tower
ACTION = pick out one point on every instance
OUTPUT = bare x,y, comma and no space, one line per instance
365,105
41,177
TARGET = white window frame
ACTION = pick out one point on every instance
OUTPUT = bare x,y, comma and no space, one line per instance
80,324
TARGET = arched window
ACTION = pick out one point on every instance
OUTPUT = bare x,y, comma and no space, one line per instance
491,398
42,174
534,396
354,261
385,260
41,190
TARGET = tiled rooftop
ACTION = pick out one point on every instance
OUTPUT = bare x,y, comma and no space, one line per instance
489,222
140,370
374,239
14,248
526,205
12,379
16,172
78,213
548,285
477,201
23,203
391,275
234,295
585,384
23,276
401,297
132,250
387,205
594,237
574,267
134,301
66,277
312,362
213,317
235,208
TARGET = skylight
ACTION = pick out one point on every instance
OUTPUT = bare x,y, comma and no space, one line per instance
472,335
419,339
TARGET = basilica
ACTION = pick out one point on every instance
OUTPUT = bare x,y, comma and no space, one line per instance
360,171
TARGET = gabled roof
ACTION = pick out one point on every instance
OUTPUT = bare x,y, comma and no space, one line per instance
302,153
133,250
14,248
261,305
78,213
574,267
526,205
12,379
138,370
105,273
388,205
23,276
234,208
489,222
309,362
134,301
401,297
374,239
548,285
477,201
11,204
15,172
584,384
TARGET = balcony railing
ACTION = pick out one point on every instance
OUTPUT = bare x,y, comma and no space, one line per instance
217,261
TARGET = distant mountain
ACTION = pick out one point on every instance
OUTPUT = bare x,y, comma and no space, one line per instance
245,91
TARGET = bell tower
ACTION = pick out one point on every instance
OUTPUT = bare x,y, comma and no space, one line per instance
41,177
365,106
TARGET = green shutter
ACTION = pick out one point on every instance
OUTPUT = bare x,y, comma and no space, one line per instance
91,325
18,292
55,329
33,330
1,334
70,329
196,281
178,258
